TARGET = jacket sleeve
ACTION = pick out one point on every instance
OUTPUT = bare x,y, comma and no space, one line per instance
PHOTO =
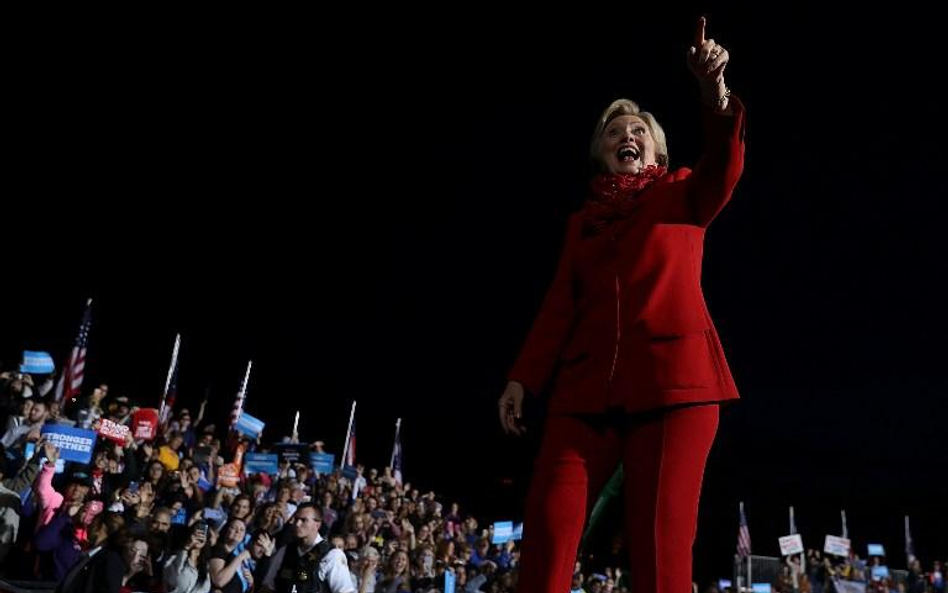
713,180
25,476
541,350
45,493
49,536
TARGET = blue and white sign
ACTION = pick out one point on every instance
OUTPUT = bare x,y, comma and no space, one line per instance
449,581
761,588
837,546
876,550
292,453
791,544
74,444
724,584
880,572
260,463
503,531
28,450
517,534
349,472
250,426
322,462
37,363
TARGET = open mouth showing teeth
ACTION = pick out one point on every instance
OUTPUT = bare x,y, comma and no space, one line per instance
627,153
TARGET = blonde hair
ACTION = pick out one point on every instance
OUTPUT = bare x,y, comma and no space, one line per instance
618,108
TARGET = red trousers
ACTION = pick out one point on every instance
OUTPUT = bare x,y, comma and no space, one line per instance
663,454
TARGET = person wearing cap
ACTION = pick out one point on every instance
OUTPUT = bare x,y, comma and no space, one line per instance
60,542
77,486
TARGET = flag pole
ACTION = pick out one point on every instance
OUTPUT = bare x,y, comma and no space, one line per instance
398,425
171,367
345,448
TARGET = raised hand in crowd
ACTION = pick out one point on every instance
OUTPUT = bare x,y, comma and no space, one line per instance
50,452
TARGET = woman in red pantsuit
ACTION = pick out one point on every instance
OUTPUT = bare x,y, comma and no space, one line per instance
625,338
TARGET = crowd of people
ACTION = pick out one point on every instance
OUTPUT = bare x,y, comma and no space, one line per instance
160,516
817,572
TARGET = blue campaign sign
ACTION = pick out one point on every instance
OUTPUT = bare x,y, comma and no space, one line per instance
322,462
250,426
724,584
876,550
503,532
449,582
260,463
761,588
28,450
38,363
517,534
349,472
74,444
292,453
880,572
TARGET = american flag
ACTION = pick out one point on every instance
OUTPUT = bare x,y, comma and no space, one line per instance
396,463
239,400
171,386
743,536
793,523
909,544
74,371
351,449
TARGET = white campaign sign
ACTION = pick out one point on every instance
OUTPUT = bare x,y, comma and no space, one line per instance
791,544
838,546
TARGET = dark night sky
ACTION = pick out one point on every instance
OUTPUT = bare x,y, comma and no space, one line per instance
383,228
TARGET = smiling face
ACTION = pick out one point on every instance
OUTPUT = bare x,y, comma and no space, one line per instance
626,140
627,146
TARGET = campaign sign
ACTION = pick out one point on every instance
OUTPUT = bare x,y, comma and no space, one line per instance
74,444
322,462
503,530
113,431
250,426
791,544
449,582
30,448
228,476
292,453
837,546
145,424
260,463
876,550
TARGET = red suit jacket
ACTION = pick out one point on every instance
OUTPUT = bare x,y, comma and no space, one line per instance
624,323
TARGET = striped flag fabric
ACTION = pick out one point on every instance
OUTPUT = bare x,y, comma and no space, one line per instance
396,463
171,387
239,400
67,388
909,544
743,536
350,459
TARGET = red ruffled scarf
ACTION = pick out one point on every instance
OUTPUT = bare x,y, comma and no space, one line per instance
612,197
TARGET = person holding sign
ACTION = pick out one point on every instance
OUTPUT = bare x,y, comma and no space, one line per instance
626,340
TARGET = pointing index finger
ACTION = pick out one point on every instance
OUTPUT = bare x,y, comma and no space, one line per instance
699,33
